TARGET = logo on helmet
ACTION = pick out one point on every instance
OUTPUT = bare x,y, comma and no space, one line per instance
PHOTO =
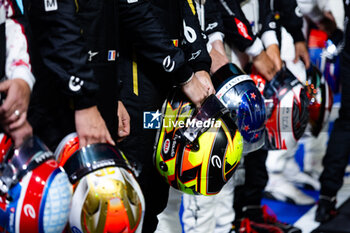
166,146
215,161
29,211
75,230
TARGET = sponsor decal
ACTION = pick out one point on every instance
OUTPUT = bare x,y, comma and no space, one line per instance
50,5
166,146
104,163
211,26
215,161
132,1
242,29
168,64
43,157
29,211
190,33
75,83
195,55
91,55
232,83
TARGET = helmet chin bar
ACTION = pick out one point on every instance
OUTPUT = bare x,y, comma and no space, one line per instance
212,108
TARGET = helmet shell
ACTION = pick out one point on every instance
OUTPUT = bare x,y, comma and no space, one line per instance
205,167
238,92
321,99
287,109
40,201
107,197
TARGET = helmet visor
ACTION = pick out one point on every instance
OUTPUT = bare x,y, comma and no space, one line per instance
92,158
247,108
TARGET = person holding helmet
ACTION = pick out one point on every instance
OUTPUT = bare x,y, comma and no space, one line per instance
199,211
283,170
145,87
97,44
88,92
15,71
256,171
337,153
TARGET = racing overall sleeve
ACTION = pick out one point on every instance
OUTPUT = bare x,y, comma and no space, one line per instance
151,40
63,49
268,24
17,62
214,27
237,29
291,18
194,39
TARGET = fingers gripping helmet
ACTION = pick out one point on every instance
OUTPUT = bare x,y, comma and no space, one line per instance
324,53
205,162
107,197
238,92
36,193
321,99
287,110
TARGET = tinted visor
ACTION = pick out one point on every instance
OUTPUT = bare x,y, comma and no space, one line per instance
31,154
92,158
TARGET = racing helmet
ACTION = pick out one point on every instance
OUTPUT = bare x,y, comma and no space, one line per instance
6,146
286,104
35,193
238,92
196,151
324,53
107,197
321,99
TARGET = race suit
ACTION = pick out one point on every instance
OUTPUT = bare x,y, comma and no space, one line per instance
337,153
145,86
214,214
79,52
14,56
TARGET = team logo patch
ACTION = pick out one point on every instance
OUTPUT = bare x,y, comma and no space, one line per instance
242,29
151,120
168,64
75,83
50,5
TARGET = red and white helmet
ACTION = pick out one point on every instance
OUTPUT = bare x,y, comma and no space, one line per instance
287,109
321,99
35,191
107,197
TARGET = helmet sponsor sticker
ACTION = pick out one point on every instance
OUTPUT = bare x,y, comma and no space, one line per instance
166,146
